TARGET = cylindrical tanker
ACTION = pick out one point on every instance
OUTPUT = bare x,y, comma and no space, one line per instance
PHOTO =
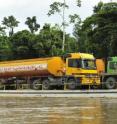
69,71
32,67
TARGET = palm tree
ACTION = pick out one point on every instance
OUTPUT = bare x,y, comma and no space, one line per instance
32,24
10,23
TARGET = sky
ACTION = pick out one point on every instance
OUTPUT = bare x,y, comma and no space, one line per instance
21,9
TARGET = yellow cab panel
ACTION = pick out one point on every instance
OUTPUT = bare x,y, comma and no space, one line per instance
81,65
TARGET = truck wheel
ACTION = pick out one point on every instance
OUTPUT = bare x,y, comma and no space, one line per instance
36,85
46,84
110,83
71,84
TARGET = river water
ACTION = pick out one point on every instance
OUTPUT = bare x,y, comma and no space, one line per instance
39,110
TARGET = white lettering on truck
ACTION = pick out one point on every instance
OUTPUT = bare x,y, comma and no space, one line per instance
23,68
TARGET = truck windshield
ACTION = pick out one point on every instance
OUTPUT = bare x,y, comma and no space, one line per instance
89,64
75,63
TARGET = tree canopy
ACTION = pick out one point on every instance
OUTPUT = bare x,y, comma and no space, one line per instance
24,44
10,22
98,33
32,24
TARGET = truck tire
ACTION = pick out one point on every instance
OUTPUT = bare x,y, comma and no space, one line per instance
36,85
110,83
46,84
71,84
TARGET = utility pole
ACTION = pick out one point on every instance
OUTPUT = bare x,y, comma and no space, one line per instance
63,44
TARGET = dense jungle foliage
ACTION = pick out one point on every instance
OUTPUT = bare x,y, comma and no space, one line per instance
97,34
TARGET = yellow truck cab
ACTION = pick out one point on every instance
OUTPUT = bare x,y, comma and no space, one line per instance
81,67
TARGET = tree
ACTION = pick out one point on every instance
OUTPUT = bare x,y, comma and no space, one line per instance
5,48
71,44
60,7
98,7
2,31
98,33
79,3
22,43
10,22
76,21
51,38
32,24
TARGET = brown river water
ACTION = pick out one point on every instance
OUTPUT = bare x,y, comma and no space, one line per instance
40,110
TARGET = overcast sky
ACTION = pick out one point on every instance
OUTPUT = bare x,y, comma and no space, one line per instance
22,9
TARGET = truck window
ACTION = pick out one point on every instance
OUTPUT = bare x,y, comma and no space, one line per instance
113,65
89,64
76,63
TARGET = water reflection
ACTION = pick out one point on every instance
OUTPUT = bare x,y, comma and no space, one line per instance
19,110
94,115
85,111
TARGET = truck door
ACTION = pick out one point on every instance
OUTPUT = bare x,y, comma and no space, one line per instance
73,66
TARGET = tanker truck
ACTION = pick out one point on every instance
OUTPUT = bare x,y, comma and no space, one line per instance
107,70
71,71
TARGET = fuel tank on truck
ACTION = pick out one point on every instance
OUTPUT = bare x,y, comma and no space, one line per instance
32,67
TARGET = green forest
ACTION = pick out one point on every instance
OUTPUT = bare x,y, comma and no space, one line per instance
96,34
